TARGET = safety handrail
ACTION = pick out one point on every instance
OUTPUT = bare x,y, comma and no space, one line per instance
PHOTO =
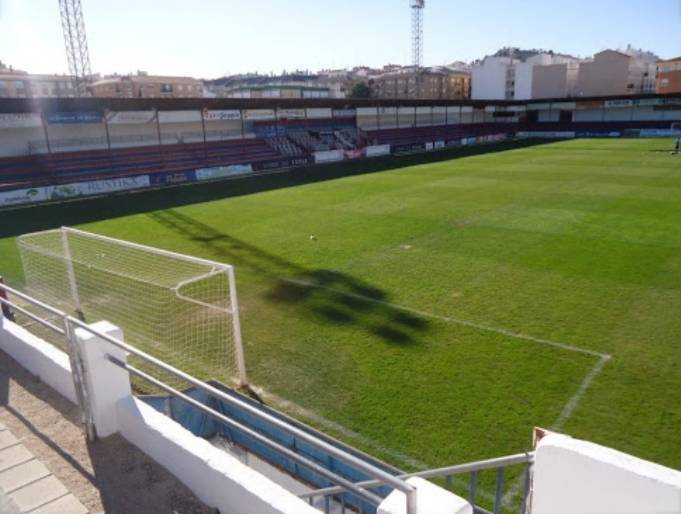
447,472
378,474
359,491
343,456
29,314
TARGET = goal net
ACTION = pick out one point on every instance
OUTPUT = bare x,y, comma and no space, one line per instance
178,308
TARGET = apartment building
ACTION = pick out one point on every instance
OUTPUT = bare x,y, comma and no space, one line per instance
506,77
21,84
668,78
612,73
142,85
409,83
328,84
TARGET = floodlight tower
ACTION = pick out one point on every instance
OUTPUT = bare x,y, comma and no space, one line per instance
417,7
76,43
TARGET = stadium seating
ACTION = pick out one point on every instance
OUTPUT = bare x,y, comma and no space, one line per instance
97,164
285,146
419,135
302,137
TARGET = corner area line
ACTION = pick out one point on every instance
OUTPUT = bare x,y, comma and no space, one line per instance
447,319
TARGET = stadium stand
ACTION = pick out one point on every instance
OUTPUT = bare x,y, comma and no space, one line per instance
80,155
417,135
285,146
66,167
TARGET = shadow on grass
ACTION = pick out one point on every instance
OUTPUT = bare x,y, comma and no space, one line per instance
326,295
21,220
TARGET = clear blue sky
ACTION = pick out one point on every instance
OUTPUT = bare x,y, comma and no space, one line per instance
208,38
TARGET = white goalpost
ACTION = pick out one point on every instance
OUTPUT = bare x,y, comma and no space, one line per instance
181,309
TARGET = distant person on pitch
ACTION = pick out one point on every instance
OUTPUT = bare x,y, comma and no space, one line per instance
677,148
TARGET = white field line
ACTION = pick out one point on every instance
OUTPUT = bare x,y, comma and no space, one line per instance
339,429
565,414
351,434
466,323
571,405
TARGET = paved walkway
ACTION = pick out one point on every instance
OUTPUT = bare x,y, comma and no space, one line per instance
27,486
43,443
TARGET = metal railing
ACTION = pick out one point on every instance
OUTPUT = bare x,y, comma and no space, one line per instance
68,332
78,372
499,464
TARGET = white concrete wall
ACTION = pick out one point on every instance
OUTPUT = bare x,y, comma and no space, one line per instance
489,79
523,80
216,477
406,116
106,383
549,116
431,499
127,135
579,477
387,117
178,133
37,356
621,114
672,115
367,118
219,130
15,141
588,115
647,114
73,137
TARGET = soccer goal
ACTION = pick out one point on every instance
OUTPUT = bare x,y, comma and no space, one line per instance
178,308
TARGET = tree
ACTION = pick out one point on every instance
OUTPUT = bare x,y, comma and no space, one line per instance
360,90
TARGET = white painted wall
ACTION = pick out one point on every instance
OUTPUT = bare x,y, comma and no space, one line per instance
489,79
106,383
523,80
37,356
579,477
216,477
548,116
621,114
431,499
15,141
588,115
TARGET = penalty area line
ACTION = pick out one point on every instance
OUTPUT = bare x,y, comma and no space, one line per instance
565,414
447,319
571,405
366,441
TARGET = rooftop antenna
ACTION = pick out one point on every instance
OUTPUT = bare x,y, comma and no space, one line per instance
417,7
76,43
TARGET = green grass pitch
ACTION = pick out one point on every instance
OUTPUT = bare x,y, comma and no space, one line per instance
444,309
